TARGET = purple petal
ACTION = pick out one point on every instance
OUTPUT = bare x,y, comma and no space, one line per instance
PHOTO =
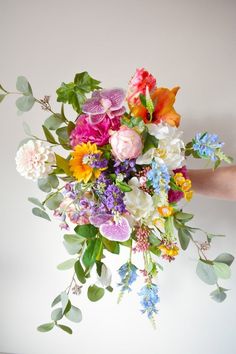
96,118
93,106
116,96
100,219
119,231
116,113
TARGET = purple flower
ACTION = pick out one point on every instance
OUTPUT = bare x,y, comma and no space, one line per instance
95,161
125,167
104,102
114,199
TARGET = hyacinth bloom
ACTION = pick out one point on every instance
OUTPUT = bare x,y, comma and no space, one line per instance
206,144
79,165
98,134
163,100
104,102
149,299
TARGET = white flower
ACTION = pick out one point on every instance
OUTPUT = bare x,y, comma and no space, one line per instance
34,160
138,202
169,147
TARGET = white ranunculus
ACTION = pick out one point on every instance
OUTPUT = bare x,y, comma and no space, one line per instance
169,148
34,160
138,202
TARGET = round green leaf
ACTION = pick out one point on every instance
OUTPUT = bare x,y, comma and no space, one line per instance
74,314
87,230
53,122
46,327
56,314
206,272
23,85
218,295
67,264
95,293
36,202
25,103
44,185
226,258
65,328
54,201
222,270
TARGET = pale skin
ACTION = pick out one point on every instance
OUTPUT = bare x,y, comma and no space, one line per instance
218,184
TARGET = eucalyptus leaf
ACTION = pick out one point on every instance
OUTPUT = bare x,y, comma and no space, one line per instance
73,243
40,213
184,217
25,103
27,129
2,97
95,293
36,202
56,300
56,314
65,328
226,258
80,273
46,327
44,185
3,89
206,272
50,138
54,200
74,314
53,122
22,85
184,238
67,264
64,301
222,270
218,295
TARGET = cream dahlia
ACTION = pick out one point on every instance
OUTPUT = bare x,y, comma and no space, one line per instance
34,160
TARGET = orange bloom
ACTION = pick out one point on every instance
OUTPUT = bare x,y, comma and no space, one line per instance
165,210
169,250
188,195
164,111
186,185
82,171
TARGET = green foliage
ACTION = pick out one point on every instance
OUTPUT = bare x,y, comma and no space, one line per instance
154,240
219,295
150,141
183,217
36,202
25,103
48,135
54,121
74,314
63,164
92,252
65,328
3,89
46,327
56,314
74,93
87,231
2,97
73,243
23,85
226,258
40,213
65,302
206,272
95,293
124,187
80,273
48,183
27,129
67,264
111,246
56,300
211,236
222,270
54,200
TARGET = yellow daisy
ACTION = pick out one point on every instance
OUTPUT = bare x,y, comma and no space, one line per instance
81,171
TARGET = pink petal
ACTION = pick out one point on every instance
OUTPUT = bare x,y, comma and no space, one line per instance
119,231
96,118
93,106
100,219
116,96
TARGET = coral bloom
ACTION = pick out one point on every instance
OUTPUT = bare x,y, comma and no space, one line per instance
164,111
79,166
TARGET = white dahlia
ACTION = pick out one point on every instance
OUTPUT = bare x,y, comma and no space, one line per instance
34,160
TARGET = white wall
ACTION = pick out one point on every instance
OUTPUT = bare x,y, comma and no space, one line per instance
189,43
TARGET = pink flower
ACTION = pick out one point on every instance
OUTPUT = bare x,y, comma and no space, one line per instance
175,196
96,133
138,84
126,143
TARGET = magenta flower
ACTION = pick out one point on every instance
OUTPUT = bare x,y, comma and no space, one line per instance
96,133
104,103
175,196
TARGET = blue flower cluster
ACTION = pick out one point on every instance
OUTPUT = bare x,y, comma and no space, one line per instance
159,177
206,144
128,275
149,299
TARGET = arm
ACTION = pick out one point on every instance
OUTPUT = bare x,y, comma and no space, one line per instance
220,183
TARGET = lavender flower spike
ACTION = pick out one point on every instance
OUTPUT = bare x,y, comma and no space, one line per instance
104,102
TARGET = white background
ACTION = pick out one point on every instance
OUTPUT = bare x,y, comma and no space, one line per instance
186,43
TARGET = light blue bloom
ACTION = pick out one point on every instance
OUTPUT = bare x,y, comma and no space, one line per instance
159,177
128,275
149,299
206,144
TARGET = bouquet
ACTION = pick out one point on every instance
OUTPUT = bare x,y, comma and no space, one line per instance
115,176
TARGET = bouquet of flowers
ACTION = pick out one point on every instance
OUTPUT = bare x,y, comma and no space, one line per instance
116,176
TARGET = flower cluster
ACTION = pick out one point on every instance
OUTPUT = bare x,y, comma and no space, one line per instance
117,180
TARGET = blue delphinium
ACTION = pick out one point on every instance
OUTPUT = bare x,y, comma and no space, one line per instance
128,275
159,177
149,299
206,144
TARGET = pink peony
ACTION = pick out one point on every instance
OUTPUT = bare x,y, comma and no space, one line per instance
137,86
96,133
126,143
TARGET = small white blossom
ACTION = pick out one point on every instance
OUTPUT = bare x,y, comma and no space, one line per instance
34,160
